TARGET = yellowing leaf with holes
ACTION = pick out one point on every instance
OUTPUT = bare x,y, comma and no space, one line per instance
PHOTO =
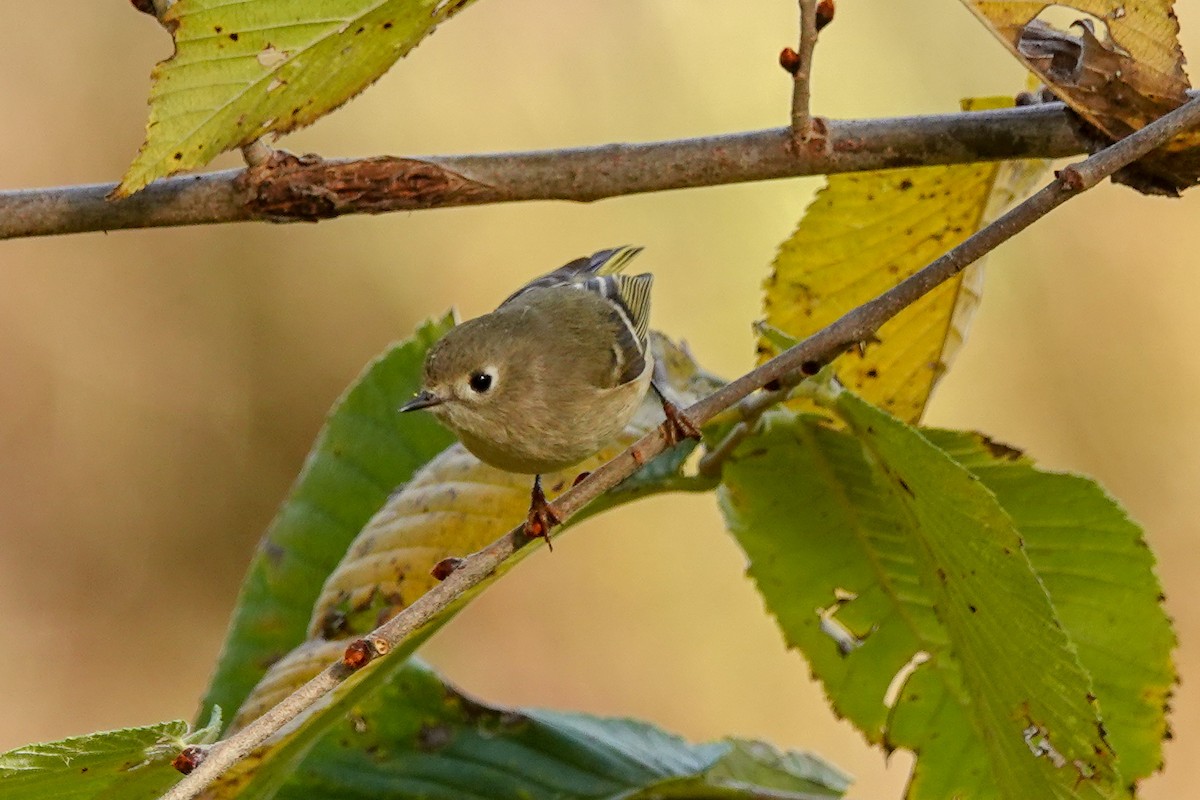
1117,63
245,69
451,506
866,232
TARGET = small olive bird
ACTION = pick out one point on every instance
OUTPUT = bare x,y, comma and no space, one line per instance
552,375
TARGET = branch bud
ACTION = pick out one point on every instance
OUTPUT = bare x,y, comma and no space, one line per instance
789,59
361,652
825,10
445,568
189,758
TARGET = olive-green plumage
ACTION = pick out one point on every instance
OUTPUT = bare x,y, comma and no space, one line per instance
553,374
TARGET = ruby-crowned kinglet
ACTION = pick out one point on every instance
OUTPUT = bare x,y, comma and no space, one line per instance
552,375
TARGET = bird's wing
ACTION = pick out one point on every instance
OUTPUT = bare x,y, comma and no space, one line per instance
628,296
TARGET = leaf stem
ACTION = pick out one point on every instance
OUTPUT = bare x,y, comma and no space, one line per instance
257,152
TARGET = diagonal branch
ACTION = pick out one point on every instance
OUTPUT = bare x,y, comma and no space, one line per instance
856,326
286,188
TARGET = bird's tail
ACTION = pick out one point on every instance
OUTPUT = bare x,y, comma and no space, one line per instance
610,262
579,271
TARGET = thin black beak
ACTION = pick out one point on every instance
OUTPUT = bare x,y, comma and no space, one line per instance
424,399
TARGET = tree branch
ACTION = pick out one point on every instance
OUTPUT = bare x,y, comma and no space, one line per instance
856,326
287,188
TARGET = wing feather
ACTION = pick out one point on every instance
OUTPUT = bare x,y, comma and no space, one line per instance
627,295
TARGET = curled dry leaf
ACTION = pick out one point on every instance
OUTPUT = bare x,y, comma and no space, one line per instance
1117,63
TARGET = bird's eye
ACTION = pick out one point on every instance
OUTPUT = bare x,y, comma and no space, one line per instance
480,382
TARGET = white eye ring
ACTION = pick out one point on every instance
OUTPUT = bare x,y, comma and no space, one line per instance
482,381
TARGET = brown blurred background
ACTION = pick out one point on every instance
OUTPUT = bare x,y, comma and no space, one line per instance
159,389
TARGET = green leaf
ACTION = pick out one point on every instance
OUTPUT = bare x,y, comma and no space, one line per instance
364,451
243,69
1100,576
125,764
417,737
905,583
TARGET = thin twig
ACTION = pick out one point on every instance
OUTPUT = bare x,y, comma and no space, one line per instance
802,128
316,189
751,410
713,461
856,326
748,411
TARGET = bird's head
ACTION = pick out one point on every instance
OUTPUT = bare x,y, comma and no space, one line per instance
473,378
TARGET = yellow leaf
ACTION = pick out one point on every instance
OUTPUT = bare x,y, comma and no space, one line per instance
866,232
241,70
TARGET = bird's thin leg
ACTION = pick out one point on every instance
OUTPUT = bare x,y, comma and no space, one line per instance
541,516
679,425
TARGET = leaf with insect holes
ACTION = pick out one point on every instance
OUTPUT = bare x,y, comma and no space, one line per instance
1099,572
957,602
451,506
1117,63
242,70
866,232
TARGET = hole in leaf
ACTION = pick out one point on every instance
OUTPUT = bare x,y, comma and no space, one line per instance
1037,739
271,56
901,677
845,639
